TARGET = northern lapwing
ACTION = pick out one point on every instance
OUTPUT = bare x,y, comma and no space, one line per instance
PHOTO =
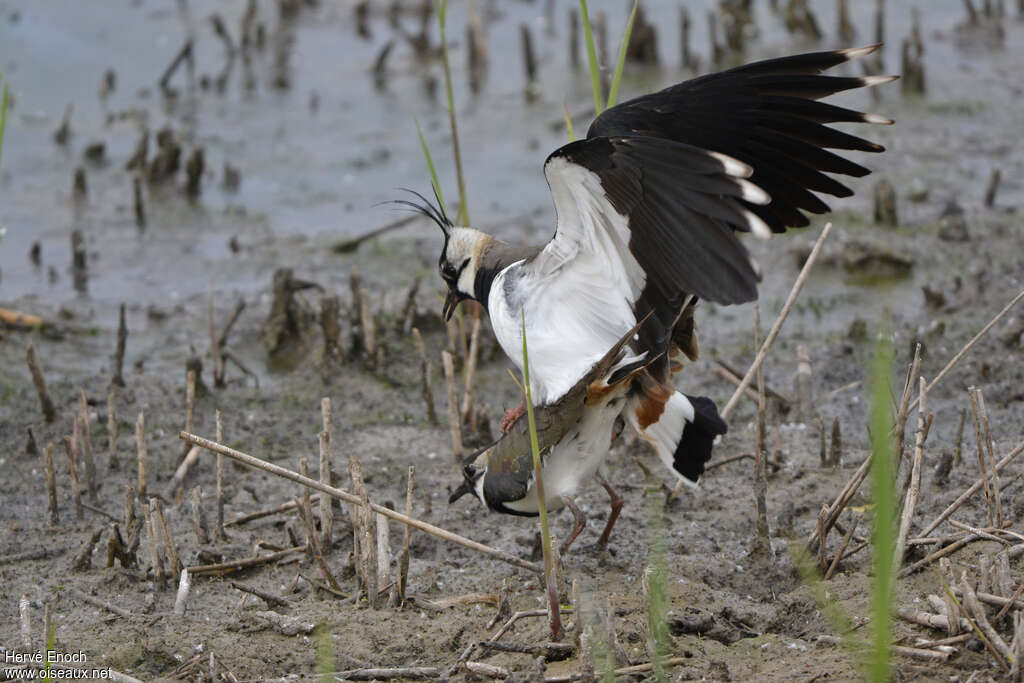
648,206
574,434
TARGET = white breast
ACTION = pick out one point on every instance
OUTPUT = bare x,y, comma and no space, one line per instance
572,318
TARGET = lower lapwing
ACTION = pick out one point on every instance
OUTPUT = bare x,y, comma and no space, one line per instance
648,206
574,434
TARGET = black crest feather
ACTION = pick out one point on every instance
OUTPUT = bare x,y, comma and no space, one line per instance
433,211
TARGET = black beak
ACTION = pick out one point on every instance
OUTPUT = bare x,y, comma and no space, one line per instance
463,488
450,302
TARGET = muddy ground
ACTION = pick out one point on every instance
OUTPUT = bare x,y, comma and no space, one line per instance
317,144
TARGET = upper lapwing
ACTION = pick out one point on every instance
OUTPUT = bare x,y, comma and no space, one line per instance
574,433
648,206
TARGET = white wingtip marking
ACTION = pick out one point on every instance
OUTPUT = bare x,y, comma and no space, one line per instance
878,119
753,193
869,81
856,52
758,226
733,167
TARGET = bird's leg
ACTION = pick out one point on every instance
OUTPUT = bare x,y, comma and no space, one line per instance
616,502
511,415
579,521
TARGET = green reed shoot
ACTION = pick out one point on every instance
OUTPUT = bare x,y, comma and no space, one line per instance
430,165
463,216
538,487
657,583
883,535
613,91
595,74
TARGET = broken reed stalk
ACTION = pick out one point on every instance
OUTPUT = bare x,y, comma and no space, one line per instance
774,331
51,486
990,449
215,358
140,439
760,449
190,399
971,391
454,424
87,455
181,599
354,500
112,463
363,537
219,531
992,637
177,482
49,411
403,560
847,537
428,394
470,369
154,548
165,532
198,519
76,489
914,490
383,554
901,416
326,515
974,340
122,339
368,325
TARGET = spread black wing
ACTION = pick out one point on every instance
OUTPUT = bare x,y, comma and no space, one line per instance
654,194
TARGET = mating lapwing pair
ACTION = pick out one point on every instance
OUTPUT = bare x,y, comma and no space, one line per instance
648,206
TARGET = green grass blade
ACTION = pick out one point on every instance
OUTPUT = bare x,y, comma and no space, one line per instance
595,76
568,123
51,637
430,165
613,91
552,588
883,536
463,216
657,581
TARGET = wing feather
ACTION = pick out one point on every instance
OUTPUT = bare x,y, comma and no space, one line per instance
675,174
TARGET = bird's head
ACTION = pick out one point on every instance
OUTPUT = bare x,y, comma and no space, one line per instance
460,255
473,476
459,262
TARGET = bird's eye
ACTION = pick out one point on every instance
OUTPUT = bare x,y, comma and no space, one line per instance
447,271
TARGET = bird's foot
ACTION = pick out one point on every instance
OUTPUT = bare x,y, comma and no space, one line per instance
511,416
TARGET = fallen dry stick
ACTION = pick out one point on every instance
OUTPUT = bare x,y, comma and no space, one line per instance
17,319
942,552
49,411
967,347
354,500
96,602
768,340
410,672
914,488
271,600
936,621
955,505
237,565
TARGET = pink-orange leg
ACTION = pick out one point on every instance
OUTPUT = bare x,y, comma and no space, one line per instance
579,522
616,502
511,415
